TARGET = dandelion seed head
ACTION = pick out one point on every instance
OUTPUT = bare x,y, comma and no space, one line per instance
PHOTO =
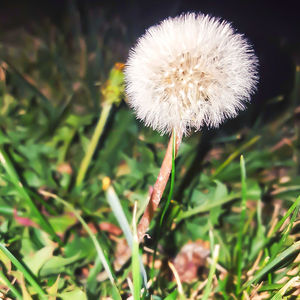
190,71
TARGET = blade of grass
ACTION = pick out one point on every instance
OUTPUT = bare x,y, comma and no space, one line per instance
10,170
6,282
212,271
93,143
99,250
295,91
271,287
114,203
91,283
295,247
117,210
239,244
136,276
206,207
259,218
235,154
28,276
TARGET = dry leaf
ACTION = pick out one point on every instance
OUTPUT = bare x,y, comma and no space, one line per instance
190,258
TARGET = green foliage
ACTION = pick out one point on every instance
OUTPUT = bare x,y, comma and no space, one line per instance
55,88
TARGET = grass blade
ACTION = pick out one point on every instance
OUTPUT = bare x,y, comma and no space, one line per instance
6,282
136,276
212,271
117,210
239,245
235,154
29,277
206,207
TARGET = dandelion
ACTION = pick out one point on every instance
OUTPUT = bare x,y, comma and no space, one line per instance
187,72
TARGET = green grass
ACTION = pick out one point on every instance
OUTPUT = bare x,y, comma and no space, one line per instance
75,172
136,275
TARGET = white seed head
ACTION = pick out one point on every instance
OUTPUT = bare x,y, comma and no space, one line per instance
190,71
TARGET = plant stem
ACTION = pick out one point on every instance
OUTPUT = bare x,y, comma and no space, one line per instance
159,185
172,183
93,143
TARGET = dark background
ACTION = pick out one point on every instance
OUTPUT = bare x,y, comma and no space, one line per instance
273,27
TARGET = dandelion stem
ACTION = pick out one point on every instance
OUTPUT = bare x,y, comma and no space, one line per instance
172,183
93,143
159,185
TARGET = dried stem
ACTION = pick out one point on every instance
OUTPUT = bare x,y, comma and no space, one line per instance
159,186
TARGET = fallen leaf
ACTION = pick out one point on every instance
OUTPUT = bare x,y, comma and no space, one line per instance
122,254
190,258
64,168
110,228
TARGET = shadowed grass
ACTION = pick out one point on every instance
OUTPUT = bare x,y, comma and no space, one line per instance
13,176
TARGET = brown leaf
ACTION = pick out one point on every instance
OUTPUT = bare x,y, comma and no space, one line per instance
110,228
64,168
122,254
190,258
2,74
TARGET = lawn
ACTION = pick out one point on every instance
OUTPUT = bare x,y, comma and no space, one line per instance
77,170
